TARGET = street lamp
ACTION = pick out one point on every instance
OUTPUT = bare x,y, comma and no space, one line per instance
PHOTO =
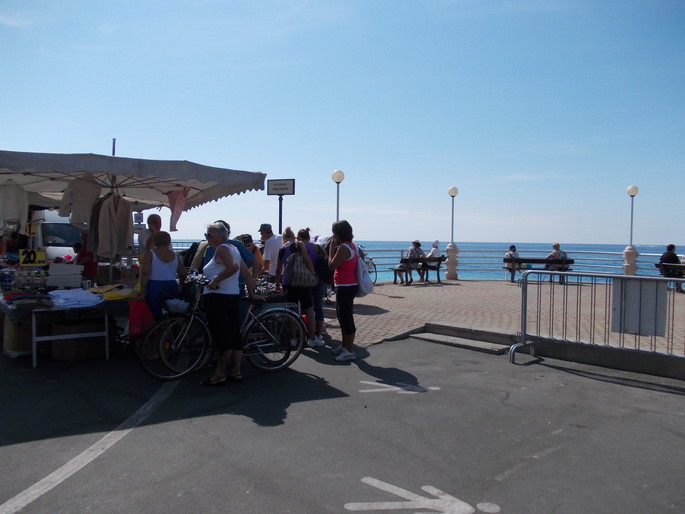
630,253
452,191
632,192
452,251
337,176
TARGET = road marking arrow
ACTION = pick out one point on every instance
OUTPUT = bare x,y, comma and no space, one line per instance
442,502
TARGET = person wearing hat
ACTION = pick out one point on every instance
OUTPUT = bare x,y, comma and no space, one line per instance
415,252
434,252
272,244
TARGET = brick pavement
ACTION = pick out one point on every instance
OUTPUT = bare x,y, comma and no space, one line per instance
393,309
492,305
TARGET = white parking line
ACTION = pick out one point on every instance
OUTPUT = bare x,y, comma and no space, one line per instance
77,463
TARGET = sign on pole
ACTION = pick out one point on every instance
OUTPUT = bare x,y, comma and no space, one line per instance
280,187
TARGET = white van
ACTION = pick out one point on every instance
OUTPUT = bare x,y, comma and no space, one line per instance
55,234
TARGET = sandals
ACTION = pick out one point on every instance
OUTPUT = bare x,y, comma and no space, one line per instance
213,382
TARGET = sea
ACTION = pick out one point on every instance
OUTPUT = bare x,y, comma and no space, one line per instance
483,260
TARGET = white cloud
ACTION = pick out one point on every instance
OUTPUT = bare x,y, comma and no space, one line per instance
14,20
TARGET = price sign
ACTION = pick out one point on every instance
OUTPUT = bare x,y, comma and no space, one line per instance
32,257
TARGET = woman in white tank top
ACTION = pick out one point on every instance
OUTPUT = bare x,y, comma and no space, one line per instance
158,274
222,303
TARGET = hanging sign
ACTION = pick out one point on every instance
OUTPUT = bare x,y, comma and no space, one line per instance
32,257
280,187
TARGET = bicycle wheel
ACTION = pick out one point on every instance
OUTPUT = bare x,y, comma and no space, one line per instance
185,346
371,268
268,336
148,351
179,346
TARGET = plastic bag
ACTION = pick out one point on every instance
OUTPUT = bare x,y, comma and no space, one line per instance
140,318
364,280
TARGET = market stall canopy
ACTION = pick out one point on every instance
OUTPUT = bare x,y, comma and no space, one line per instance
143,182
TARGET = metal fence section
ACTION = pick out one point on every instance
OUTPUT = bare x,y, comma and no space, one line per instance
641,313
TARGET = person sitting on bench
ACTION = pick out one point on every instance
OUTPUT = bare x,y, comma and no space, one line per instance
557,253
512,266
415,252
670,257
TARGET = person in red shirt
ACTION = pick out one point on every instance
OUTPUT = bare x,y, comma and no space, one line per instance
86,258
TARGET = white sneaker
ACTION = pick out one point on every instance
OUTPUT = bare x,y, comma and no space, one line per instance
337,350
294,343
346,356
315,343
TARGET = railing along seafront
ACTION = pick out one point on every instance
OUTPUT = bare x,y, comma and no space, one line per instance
608,311
487,264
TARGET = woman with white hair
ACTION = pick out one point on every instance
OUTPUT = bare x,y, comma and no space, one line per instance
222,303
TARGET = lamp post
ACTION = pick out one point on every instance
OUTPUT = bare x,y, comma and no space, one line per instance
338,176
452,250
452,191
630,253
632,192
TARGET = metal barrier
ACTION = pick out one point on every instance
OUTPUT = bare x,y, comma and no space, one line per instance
646,314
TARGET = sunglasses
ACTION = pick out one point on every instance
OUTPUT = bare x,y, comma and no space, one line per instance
209,234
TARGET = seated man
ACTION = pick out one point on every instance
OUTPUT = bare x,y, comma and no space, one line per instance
670,257
557,253
415,252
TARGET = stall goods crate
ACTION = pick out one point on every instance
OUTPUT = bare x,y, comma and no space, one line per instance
16,340
128,277
64,275
79,349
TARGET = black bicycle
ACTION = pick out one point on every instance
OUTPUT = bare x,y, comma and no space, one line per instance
274,335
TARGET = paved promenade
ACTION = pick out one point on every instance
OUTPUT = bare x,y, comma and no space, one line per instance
495,305
394,309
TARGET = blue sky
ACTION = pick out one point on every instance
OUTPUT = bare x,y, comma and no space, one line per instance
542,113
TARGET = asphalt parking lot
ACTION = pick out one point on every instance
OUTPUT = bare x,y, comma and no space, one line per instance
411,426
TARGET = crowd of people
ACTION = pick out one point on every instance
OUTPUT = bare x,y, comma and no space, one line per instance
233,265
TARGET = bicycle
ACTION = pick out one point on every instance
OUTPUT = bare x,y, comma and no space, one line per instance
368,262
274,335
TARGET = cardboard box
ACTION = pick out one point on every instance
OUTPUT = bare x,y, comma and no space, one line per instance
79,349
17,339
124,276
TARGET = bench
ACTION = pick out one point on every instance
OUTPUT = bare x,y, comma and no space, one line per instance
525,263
670,270
562,263
427,264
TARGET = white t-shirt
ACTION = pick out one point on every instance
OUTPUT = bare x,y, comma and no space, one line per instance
271,248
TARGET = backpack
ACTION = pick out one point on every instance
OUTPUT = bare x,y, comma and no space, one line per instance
321,266
296,271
